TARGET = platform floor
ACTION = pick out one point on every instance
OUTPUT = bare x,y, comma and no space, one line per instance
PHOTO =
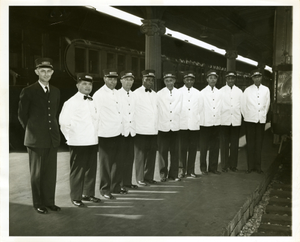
193,207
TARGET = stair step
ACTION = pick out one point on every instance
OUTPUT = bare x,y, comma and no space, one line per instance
276,219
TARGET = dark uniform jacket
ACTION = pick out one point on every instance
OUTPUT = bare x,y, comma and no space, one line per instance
38,116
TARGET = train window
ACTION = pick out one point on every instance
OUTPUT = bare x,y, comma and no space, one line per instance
121,63
79,60
142,64
93,61
135,65
111,60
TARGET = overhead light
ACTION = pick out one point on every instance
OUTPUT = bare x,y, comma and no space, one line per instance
138,21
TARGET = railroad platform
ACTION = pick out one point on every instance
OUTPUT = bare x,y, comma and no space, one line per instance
210,205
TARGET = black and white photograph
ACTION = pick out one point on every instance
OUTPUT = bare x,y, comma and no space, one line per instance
149,120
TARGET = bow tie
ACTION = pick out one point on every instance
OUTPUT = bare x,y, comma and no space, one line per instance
148,90
87,97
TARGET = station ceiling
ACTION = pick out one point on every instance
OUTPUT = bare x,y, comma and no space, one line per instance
247,29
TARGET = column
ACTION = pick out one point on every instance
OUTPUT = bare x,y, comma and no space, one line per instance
154,29
231,56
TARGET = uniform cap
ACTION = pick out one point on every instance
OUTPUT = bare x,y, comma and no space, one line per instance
188,74
212,72
110,73
256,73
230,73
43,62
84,77
148,72
127,73
168,74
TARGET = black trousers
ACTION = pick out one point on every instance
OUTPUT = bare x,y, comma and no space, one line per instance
168,141
209,140
189,140
109,158
254,138
83,169
145,147
229,146
43,167
126,164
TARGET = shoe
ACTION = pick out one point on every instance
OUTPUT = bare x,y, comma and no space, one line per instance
192,175
131,186
151,181
225,169
248,171
216,172
142,183
259,171
91,199
163,179
174,179
108,196
204,173
181,176
78,203
233,169
41,210
54,208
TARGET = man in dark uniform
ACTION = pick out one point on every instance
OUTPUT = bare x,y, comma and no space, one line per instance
38,108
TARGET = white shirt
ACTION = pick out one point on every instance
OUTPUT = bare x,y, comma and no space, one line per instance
145,111
169,108
44,87
127,100
78,121
210,105
256,103
109,112
190,112
231,105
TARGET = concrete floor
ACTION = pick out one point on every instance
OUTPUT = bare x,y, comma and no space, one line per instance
192,207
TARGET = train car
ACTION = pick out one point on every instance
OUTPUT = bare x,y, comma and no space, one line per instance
80,39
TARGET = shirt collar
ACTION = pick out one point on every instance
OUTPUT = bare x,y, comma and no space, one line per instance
108,89
43,86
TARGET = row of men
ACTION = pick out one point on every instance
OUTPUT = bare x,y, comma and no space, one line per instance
127,128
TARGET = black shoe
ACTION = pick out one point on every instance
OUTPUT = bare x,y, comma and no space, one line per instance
259,171
151,181
192,175
131,186
108,196
225,169
248,171
204,173
78,203
41,210
54,208
91,199
181,176
174,178
142,183
233,169
163,179
216,172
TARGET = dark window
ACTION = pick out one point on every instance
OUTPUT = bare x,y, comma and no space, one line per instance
121,63
93,61
79,60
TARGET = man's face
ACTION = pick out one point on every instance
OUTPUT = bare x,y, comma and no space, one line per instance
212,80
189,82
148,82
85,87
230,80
44,74
169,82
127,83
257,80
110,82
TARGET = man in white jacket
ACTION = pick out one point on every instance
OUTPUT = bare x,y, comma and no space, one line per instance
255,106
169,108
210,121
231,119
189,126
78,123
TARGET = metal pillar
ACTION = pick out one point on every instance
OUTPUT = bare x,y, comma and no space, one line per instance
231,56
